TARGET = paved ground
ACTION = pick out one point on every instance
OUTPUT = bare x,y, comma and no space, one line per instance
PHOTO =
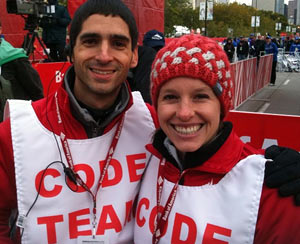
283,98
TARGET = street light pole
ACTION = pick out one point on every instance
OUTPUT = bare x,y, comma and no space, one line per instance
255,18
205,19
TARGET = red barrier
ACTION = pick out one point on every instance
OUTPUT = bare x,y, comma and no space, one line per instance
51,74
244,76
260,130
248,79
264,71
263,130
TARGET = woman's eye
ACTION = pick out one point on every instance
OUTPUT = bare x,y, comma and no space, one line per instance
201,96
169,97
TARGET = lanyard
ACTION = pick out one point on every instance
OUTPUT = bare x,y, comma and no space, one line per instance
69,158
162,218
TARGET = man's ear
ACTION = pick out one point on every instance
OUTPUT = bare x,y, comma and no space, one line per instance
135,57
68,52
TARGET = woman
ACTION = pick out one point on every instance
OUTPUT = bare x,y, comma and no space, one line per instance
204,182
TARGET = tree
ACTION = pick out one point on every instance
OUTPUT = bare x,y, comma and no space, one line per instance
176,13
226,16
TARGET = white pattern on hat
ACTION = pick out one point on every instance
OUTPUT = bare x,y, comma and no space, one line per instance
220,75
228,75
177,60
209,65
193,50
220,64
166,54
177,50
194,60
209,56
163,66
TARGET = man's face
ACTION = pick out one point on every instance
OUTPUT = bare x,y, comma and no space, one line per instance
102,56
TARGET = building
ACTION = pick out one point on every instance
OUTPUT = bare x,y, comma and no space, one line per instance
279,6
292,12
267,5
297,13
196,3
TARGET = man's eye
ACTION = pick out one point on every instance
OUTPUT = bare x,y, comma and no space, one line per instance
119,44
89,42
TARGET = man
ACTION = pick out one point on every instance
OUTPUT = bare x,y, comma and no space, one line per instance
251,44
259,47
229,49
55,31
80,175
271,48
242,49
295,47
99,121
154,39
16,68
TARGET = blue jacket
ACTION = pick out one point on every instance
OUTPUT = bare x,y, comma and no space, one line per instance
295,46
272,48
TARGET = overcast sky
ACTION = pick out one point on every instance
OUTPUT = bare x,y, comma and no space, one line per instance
249,2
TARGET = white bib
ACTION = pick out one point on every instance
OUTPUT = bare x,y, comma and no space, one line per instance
60,215
222,213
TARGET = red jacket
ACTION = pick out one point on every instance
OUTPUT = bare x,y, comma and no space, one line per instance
278,218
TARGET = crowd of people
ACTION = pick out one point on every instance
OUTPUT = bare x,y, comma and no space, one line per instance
251,47
93,163
254,46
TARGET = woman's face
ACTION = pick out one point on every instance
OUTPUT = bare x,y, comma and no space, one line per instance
188,112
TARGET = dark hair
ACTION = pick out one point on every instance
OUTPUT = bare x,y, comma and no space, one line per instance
106,8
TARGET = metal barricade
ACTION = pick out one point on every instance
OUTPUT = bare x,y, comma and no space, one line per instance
288,61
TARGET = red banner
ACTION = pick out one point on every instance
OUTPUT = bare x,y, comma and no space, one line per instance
149,14
51,75
263,130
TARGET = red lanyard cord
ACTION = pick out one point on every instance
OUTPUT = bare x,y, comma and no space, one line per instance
69,158
162,218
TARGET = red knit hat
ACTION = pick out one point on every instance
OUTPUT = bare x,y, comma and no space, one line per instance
197,57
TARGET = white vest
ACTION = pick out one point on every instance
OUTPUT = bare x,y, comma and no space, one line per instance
225,212
60,215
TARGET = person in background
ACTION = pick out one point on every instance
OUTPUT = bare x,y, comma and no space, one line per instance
139,77
251,43
155,39
203,184
16,68
275,40
271,48
288,43
55,31
242,49
229,49
295,47
259,47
